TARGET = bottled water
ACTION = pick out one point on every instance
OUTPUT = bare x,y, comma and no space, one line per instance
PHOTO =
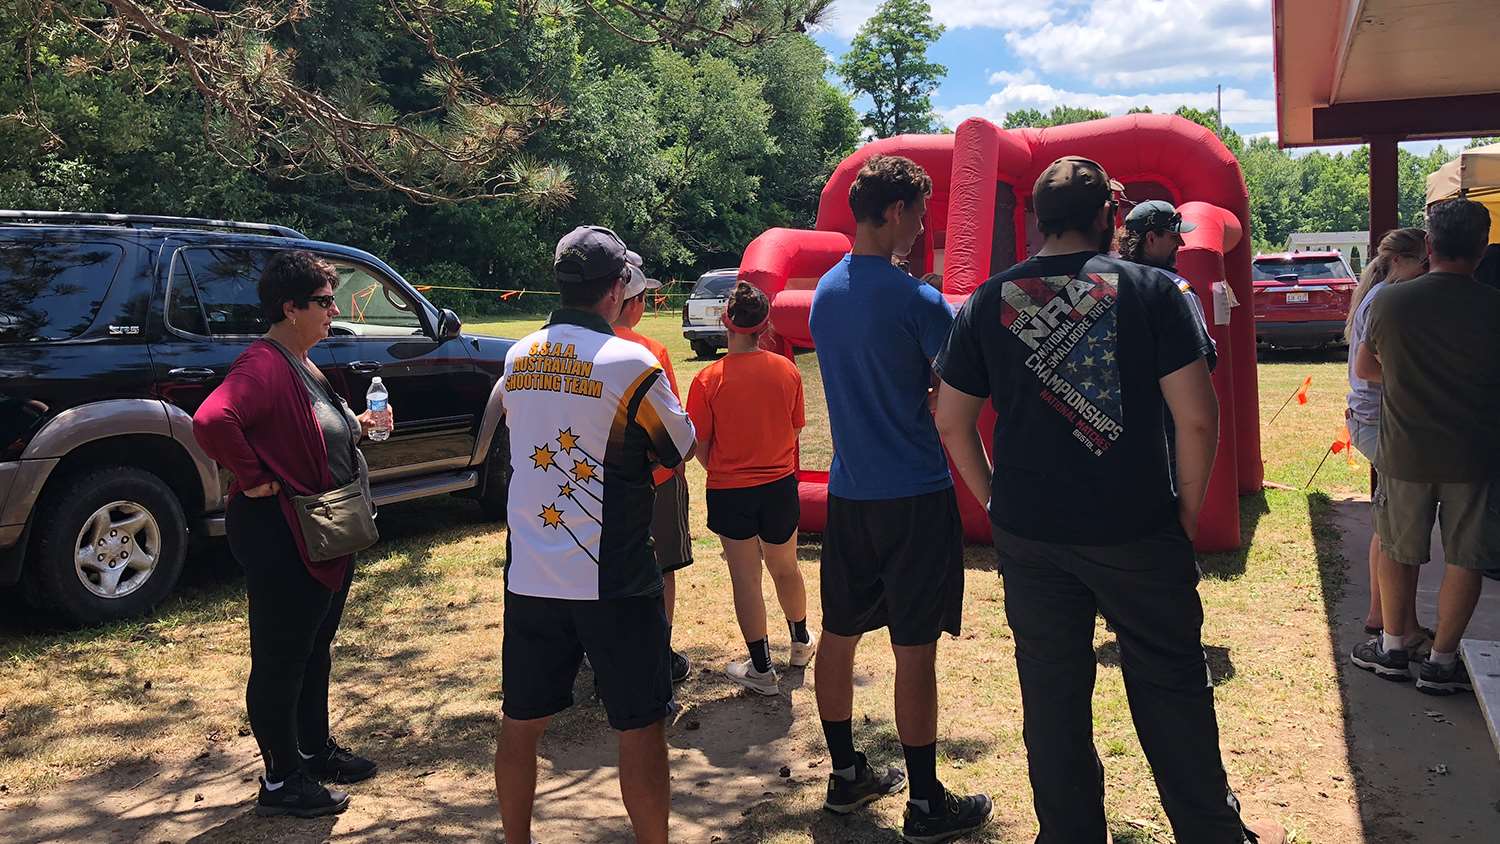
378,402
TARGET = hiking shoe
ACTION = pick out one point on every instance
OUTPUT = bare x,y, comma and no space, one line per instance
1392,665
1265,832
681,668
802,652
300,796
339,764
951,817
1434,679
760,682
844,796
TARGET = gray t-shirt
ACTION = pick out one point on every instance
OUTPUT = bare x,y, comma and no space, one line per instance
1364,396
338,425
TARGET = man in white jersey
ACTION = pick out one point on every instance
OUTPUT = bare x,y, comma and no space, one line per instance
590,416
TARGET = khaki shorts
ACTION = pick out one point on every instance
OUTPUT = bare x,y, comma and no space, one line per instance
1469,514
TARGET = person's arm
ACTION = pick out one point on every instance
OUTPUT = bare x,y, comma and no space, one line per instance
703,419
667,425
1367,357
1367,364
957,423
219,427
1195,411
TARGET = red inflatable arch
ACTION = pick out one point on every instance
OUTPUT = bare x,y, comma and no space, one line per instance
979,223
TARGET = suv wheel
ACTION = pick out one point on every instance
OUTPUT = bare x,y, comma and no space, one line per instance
496,495
110,545
704,349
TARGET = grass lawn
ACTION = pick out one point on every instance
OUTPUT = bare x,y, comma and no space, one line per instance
416,674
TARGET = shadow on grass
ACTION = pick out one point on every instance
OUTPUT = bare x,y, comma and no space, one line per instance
1219,663
1230,565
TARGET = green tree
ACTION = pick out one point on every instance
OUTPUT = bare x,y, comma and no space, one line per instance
887,62
1058,116
1210,120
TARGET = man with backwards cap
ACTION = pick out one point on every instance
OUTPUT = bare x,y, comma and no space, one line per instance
1079,353
590,416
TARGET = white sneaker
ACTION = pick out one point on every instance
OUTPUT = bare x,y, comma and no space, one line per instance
802,653
745,674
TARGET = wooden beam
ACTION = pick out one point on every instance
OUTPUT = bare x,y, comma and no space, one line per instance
1383,188
1432,117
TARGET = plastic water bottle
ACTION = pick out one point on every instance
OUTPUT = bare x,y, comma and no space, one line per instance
378,402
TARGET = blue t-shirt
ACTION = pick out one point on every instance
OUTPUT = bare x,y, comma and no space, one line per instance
877,330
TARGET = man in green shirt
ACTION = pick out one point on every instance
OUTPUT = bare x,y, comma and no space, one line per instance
1433,342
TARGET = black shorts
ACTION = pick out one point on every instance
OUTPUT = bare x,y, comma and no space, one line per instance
626,642
896,563
770,511
669,525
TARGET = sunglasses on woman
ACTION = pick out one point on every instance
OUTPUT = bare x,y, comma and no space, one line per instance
324,302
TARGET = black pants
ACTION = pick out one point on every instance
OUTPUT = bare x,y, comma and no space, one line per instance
292,622
1148,592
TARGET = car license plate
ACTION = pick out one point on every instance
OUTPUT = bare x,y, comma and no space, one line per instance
1296,298
715,310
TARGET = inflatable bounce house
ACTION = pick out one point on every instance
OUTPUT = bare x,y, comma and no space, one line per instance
980,223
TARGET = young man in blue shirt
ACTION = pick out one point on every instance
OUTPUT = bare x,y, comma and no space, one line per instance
893,546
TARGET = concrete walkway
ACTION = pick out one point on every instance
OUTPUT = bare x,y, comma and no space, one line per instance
1425,766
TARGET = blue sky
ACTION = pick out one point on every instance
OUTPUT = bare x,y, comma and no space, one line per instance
1004,55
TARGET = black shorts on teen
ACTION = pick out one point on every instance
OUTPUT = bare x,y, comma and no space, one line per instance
769,511
626,642
896,563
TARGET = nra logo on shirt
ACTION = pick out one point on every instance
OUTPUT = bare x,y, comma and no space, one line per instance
1033,308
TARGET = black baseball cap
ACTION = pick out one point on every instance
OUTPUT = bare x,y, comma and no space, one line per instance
1155,215
590,253
1071,186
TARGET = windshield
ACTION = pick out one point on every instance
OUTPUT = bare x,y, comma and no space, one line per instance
1315,268
714,286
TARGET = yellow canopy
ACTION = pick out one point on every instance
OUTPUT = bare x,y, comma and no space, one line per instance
1474,174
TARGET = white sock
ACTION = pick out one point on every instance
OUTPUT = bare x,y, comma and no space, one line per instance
1390,642
271,786
1441,658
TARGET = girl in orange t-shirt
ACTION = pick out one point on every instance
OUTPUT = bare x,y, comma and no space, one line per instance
747,409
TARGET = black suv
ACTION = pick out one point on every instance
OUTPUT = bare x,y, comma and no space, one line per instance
114,328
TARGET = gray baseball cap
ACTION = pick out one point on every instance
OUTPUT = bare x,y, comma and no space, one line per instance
638,283
1156,215
590,253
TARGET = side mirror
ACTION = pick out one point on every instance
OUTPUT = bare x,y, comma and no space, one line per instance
449,326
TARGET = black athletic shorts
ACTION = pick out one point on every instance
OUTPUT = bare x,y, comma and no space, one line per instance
770,511
672,540
626,642
896,563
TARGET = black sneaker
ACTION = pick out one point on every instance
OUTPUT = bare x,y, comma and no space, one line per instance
339,764
301,797
951,817
1435,679
681,668
844,796
1392,665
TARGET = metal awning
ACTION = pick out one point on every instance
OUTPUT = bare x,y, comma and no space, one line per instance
1348,71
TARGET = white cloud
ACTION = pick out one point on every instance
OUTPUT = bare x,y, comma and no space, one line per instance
1006,77
1239,106
1149,43
846,16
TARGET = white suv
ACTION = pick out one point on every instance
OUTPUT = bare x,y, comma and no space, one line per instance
701,312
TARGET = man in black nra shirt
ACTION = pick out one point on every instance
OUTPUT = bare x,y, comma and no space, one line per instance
1081,354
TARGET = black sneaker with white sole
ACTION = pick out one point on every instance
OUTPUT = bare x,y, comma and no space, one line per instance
1434,679
335,763
1392,665
845,796
681,668
300,796
951,817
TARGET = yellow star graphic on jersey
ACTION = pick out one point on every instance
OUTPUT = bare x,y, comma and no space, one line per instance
551,517
567,440
582,470
565,490
543,457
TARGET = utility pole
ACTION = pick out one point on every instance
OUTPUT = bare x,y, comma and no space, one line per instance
1219,110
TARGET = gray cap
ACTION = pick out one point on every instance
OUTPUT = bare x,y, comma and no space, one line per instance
638,283
1155,215
590,253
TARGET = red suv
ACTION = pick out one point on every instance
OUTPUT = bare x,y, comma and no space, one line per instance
1301,298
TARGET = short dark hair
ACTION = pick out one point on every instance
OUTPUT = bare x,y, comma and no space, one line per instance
1459,229
292,276
885,179
748,305
1075,221
586,294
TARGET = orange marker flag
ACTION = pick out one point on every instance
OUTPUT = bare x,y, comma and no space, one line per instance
1302,392
1344,444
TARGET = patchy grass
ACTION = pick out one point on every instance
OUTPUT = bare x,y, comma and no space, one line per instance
416,676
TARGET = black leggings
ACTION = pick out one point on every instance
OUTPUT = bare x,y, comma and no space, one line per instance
292,622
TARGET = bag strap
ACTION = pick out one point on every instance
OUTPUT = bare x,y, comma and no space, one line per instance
333,397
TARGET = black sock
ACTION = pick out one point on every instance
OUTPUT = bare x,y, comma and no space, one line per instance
840,737
799,631
760,654
921,773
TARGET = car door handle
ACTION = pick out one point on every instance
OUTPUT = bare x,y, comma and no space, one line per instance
365,367
191,373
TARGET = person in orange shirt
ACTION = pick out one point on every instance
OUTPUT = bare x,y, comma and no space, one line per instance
669,518
747,409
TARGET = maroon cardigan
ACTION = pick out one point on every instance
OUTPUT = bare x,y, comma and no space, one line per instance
259,424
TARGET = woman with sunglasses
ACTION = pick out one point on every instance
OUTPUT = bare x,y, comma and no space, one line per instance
281,429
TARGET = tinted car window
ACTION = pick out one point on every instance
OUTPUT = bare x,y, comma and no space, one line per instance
225,279
183,310
714,286
51,290
1269,270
